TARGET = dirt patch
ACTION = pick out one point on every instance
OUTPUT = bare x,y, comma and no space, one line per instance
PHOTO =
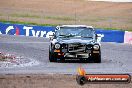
98,14
9,61
6,57
49,81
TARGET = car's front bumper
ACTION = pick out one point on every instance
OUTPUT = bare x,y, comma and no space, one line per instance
76,55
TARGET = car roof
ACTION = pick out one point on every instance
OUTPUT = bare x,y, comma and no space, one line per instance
75,26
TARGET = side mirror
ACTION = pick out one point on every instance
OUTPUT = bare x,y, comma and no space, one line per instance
50,35
99,37
96,35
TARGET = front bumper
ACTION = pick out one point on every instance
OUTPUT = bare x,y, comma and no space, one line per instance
71,56
76,55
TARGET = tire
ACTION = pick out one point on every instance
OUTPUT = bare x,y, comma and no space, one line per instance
81,80
97,58
51,56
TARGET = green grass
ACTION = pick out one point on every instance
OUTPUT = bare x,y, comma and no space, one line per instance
113,29
60,18
116,29
31,23
26,23
0,14
63,18
24,15
94,19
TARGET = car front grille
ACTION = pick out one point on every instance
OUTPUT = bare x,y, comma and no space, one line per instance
76,47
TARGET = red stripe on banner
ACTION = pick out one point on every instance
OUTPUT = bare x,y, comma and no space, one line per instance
17,31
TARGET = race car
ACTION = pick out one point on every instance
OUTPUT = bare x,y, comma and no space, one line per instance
74,42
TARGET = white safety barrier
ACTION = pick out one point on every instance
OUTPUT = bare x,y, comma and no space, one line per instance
128,37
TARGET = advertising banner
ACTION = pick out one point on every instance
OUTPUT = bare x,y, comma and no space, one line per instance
27,30
111,35
44,31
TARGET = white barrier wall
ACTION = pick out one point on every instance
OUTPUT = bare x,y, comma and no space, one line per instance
128,37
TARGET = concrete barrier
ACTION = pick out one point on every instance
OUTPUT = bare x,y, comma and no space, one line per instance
128,37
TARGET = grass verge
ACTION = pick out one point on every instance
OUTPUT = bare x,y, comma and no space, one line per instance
31,23
26,23
63,18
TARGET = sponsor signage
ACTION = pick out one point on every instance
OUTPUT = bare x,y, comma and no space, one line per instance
103,78
83,78
15,29
44,31
111,35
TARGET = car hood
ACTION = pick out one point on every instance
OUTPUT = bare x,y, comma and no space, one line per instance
74,40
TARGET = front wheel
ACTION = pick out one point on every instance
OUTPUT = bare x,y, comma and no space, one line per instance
97,57
51,57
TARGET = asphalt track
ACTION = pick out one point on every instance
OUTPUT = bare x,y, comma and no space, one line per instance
116,57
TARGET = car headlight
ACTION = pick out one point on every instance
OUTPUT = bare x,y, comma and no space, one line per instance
96,47
57,46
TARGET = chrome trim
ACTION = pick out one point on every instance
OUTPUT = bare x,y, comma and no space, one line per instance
77,55
76,47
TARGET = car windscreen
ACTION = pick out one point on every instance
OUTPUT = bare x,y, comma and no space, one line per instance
75,32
